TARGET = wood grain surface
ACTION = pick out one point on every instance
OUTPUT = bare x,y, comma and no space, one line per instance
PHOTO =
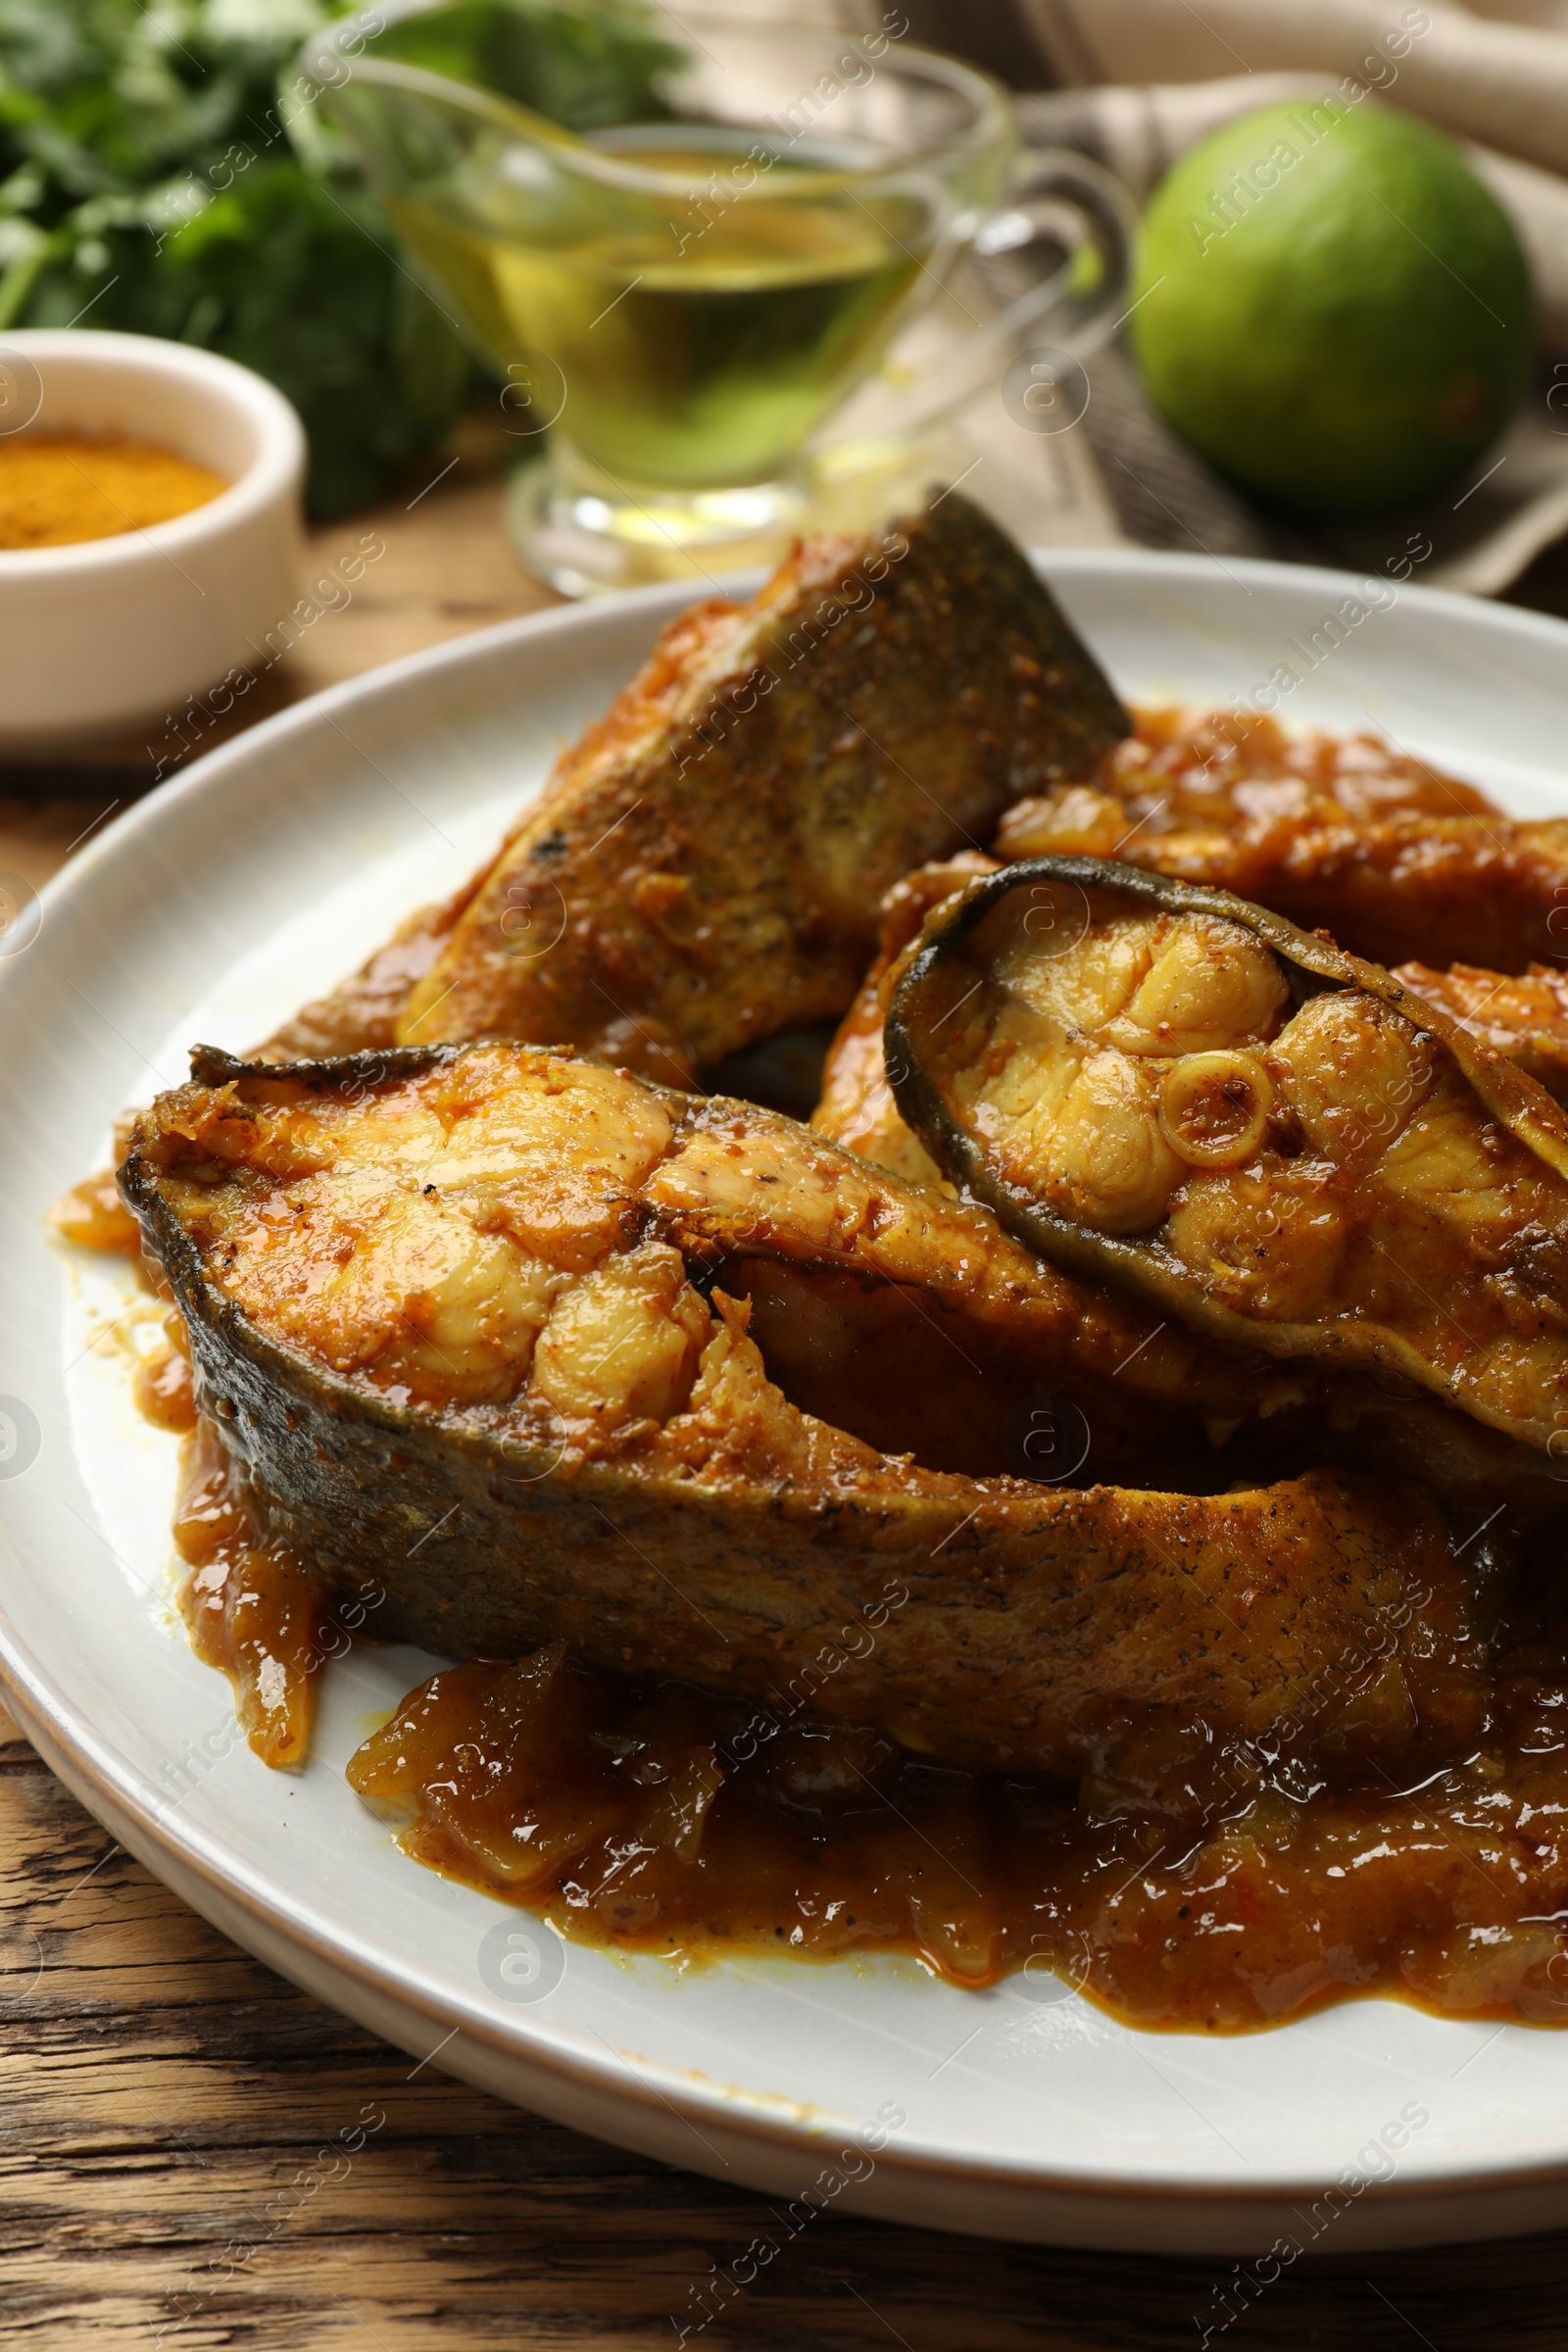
163,2098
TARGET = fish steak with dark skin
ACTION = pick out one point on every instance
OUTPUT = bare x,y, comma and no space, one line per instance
704,866
1399,861
1164,1088
481,1325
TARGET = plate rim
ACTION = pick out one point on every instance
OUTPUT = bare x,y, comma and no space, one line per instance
51,1723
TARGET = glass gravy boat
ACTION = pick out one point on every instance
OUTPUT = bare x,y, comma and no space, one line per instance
684,245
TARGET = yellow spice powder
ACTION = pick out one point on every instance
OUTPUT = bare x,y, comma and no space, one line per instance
54,493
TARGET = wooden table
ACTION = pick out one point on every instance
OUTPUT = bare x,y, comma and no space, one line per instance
160,2090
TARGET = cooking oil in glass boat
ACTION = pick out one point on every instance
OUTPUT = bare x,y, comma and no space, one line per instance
702,329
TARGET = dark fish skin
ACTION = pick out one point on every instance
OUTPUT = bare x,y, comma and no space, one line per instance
704,868
744,1546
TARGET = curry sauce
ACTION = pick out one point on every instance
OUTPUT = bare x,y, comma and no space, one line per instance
1182,1890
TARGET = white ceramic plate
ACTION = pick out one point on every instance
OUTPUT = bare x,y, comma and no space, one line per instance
258,878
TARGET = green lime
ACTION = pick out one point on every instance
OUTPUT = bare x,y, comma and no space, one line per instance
1331,307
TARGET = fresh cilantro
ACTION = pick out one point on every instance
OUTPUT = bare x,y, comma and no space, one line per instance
159,173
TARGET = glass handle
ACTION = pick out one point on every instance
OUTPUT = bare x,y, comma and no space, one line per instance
1067,200
1061,201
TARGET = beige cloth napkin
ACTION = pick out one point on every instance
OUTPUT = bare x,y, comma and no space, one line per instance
1146,78
1137,83
1497,75
1484,533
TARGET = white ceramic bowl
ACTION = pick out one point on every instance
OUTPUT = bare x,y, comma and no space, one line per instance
99,638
